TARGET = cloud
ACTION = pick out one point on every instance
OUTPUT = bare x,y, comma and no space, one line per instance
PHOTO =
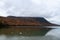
55,19
37,8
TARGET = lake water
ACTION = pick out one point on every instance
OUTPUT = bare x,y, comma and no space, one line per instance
53,34
4,37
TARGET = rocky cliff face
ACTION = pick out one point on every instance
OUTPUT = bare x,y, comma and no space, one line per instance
25,21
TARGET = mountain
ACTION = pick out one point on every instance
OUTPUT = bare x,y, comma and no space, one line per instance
25,21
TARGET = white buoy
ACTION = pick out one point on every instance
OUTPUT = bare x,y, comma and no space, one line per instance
20,33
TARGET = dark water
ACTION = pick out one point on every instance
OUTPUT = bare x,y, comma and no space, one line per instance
53,34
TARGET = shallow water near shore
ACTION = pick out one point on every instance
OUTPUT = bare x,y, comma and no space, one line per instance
4,37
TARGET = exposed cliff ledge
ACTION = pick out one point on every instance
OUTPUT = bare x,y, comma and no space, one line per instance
25,21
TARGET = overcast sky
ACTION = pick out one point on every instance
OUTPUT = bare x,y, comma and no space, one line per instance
50,9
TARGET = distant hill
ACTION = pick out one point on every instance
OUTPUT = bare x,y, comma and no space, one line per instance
25,21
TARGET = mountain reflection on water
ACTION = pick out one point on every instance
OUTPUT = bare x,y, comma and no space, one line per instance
53,34
52,26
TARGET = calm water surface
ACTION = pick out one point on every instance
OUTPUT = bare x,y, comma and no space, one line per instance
54,34
4,37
